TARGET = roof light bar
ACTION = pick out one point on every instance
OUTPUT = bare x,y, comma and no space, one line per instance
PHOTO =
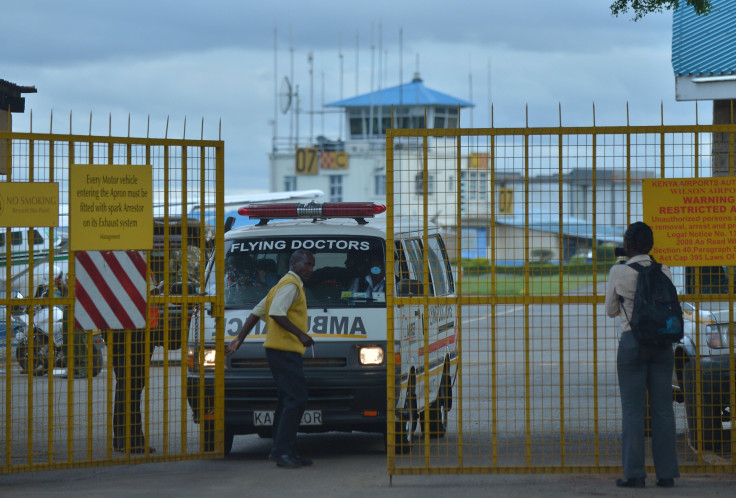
312,210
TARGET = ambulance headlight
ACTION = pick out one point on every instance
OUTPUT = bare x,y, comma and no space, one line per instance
209,358
205,359
371,355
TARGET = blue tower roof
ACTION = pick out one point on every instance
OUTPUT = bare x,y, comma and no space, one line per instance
704,45
408,94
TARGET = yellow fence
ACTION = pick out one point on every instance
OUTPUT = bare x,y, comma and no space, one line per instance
79,396
530,219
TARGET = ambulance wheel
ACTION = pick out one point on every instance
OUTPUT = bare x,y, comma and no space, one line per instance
439,409
209,437
208,426
406,421
229,437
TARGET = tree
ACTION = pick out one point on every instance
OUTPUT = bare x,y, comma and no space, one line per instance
644,7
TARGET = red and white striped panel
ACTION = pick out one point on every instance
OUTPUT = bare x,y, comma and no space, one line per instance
111,290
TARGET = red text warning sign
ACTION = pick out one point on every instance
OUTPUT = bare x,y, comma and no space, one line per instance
694,220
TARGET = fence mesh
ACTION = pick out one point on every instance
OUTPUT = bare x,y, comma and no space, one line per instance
530,218
81,397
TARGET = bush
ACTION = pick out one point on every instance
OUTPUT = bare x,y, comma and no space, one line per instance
576,266
541,255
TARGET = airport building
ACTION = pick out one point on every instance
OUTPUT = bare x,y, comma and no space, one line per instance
354,169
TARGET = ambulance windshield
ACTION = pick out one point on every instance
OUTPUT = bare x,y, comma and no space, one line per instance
348,272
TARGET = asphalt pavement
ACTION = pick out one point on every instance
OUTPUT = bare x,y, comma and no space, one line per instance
344,466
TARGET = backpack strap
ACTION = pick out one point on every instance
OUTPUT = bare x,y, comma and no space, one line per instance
636,266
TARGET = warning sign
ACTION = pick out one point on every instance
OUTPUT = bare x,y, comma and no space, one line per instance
693,219
110,207
29,204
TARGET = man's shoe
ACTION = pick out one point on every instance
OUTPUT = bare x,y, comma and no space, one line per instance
634,482
306,462
287,461
666,483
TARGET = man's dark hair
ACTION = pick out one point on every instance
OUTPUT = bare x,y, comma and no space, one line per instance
639,237
299,255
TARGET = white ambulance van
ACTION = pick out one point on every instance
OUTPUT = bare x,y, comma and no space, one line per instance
346,369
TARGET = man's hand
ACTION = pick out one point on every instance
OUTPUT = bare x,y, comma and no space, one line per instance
306,340
233,346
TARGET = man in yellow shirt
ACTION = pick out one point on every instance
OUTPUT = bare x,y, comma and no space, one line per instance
284,309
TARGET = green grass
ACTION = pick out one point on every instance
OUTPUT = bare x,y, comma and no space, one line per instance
508,284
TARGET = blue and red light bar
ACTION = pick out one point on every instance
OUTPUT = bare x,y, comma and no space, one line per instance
312,210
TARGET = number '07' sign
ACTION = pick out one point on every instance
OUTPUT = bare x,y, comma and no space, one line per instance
307,161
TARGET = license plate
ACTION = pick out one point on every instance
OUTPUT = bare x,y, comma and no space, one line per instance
265,417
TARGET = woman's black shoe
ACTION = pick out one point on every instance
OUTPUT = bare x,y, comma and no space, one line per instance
634,482
666,483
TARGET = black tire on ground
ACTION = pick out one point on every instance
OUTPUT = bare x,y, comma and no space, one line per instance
438,410
40,355
229,437
208,426
709,400
406,421
209,437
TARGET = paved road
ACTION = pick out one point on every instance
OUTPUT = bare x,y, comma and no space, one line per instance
345,466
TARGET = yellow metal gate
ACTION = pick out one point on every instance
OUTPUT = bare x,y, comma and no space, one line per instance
75,396
530,219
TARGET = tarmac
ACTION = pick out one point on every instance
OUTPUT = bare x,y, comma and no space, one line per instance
344,466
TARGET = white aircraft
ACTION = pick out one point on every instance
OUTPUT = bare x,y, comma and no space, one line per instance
39,239
21,239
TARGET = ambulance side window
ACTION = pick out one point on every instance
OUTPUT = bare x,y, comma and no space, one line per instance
415,255
401,269
439,266
210,281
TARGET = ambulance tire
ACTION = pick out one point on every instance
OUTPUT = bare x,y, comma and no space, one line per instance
406,421
209,437
439,409
229,437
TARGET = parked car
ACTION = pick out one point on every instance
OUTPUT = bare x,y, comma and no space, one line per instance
702,361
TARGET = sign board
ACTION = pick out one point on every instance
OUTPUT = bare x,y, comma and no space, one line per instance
110,207
693,219
110,290
29,204
309,160
333,159
306,161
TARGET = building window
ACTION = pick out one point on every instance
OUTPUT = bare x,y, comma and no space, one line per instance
290,183
356,127
445,117
379,185
474,186
419,184
335,188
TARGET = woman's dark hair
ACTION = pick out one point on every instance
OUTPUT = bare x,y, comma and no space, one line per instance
639,237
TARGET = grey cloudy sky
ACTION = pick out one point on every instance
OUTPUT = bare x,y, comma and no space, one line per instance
215,60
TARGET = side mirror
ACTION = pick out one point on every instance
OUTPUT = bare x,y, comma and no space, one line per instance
229,222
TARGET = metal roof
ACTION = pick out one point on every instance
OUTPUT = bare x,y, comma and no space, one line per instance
408,94
571,227
704,45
